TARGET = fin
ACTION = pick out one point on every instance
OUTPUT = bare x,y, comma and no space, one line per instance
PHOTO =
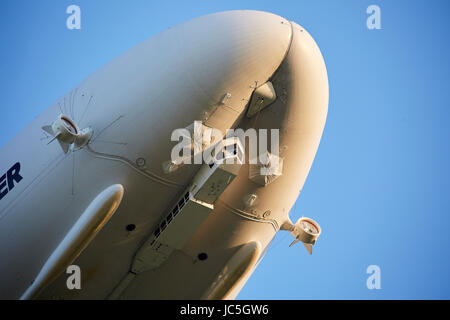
91,221
235,270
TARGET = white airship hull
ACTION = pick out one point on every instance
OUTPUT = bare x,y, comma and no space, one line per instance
204,70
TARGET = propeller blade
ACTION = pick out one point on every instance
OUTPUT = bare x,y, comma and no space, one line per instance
293,242
308,247
48,129
54,138
64,146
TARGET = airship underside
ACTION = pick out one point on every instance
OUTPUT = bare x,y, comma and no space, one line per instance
94,185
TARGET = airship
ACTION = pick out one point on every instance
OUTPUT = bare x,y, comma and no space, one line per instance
91,184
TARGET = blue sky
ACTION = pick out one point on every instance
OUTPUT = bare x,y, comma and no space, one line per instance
379,186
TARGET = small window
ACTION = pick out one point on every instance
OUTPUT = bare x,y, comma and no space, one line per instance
169,218
163,225
202,256
157,231
175,211
130,227
181,203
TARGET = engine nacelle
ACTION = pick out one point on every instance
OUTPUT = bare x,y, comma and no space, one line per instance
305,230
67,133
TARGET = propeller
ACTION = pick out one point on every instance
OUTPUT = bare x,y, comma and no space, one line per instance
67,133
305,230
